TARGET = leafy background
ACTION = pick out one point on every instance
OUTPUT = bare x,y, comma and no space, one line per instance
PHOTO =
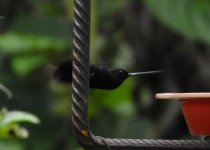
138,35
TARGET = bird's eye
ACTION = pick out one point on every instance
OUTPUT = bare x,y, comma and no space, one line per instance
123,72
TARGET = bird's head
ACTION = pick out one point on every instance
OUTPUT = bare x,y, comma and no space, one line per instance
118,76
121,74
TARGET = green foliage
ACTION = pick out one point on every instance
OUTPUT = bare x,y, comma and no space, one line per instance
118,101
43,26
12,131
18,116
11,145
28,43
9,123
24,45
21,68
188,17
109,6
34,40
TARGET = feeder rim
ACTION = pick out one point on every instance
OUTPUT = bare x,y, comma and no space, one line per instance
183,96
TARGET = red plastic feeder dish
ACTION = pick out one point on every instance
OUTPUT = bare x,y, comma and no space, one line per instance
196,110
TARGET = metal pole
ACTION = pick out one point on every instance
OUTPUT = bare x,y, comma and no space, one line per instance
80,81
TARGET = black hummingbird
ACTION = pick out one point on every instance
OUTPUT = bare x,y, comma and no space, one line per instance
100,77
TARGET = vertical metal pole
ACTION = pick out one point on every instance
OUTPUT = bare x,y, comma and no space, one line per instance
80,83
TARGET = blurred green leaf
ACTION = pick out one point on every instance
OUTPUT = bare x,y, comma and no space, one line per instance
14,43
18,116
33,50
11,145
124,57
12,130
24,65
118,100
189,17
110,6
47,26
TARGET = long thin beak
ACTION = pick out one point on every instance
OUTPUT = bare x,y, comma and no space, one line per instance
145,72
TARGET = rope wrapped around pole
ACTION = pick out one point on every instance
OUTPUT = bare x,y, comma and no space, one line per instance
80,77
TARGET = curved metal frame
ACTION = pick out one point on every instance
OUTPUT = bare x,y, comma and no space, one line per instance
80,86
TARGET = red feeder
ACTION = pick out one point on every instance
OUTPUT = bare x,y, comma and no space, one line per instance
196,110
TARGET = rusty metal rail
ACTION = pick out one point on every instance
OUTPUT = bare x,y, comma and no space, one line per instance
80,84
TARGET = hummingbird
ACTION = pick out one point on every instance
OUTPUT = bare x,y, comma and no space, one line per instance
100,77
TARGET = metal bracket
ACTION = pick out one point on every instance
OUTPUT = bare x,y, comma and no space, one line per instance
80,84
